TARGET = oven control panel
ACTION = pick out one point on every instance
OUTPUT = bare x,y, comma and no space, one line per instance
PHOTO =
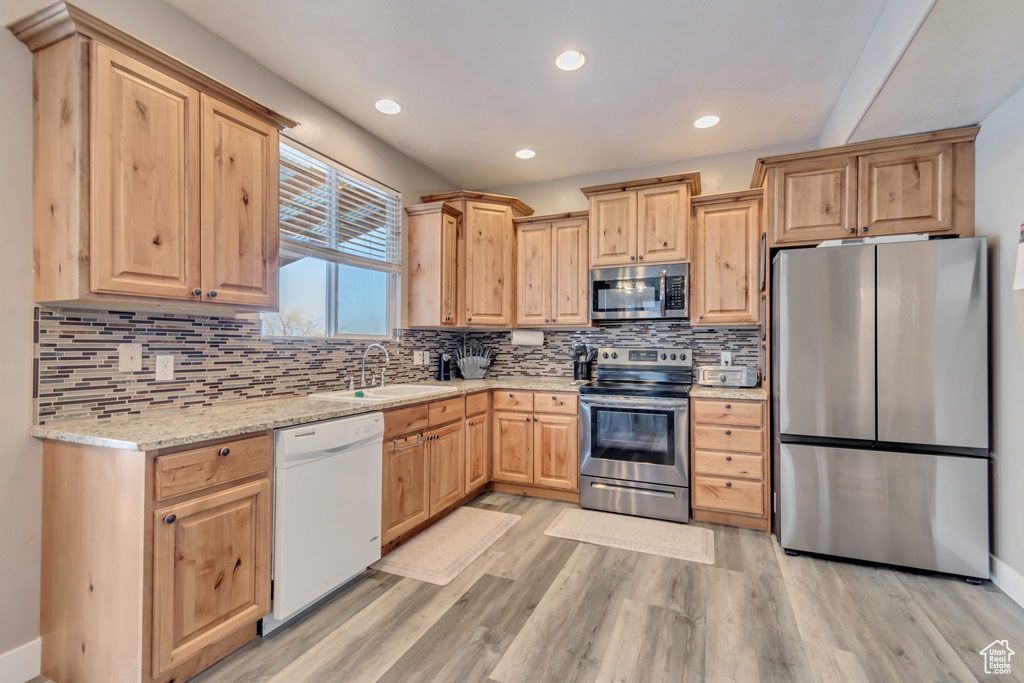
644,357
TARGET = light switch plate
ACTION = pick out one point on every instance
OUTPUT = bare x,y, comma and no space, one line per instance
726,357
164,368
129,357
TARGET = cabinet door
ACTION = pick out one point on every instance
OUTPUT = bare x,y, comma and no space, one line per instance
663,223
211,570
906,191
144,237
488,244
814,200
446,466
613,229
726,265
240,206
570,272
533,274
556,448
449,270
405,496
478,451
512,447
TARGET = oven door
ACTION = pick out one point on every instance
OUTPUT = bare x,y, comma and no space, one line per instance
640,292
635,438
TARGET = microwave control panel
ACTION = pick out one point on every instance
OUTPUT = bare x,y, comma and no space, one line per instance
675,296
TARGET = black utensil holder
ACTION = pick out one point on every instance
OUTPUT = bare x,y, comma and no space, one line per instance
580,370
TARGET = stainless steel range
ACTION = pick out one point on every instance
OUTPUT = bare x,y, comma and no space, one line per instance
634,433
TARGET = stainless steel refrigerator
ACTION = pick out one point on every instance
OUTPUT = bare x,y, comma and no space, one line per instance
881,420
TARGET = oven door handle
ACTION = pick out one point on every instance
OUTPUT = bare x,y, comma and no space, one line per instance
631,489
637,402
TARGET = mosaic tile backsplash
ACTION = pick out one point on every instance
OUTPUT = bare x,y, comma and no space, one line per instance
226,359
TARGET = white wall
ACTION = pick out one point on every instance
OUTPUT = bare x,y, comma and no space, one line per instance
158,24
721,173
1000,212
20,455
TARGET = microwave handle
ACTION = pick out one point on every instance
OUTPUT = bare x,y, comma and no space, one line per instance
664,296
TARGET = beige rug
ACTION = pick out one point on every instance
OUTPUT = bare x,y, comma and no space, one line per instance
652,536
438,554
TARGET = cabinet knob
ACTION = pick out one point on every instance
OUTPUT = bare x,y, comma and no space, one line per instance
728,405
632,258
728,484
197,292
213,293
546,320
469,320
470,424
864,229
728,431
225,451
170,519
641,258
853,230
527,419
728,458
700,317
511,396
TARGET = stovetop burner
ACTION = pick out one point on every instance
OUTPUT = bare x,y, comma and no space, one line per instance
657,372
653,389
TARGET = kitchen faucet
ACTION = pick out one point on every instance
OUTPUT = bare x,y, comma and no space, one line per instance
387,359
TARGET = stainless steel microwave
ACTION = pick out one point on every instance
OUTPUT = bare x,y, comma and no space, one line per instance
640,292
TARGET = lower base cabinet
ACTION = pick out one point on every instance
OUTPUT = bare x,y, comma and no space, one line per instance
406,501
537,448
478,446
173,543
447,462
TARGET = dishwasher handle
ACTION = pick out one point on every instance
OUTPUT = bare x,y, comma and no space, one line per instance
419,440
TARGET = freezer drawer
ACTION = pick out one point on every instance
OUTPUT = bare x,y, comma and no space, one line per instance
912,510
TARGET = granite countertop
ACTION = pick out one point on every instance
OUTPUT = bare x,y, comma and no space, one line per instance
737,394
164,429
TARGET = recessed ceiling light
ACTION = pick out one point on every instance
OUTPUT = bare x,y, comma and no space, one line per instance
706,121
388,106
526,154
570,60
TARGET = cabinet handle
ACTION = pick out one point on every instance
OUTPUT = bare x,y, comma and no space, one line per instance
728,484
700,317
864,229
470,424
225,451
641,258
213,293
469,320
728,432
419,440
546,320
632,258
853,230
728,405
171,518
511,395
728,458
197,292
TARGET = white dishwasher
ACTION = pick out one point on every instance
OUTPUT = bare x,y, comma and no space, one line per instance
327,507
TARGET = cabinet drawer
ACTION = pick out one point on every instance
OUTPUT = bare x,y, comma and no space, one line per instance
744,439
728,495
728,464
728,412
513,400
181,473
477,403
446,411
563,404
405,421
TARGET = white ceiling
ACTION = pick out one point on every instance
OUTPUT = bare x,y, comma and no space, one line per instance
477,79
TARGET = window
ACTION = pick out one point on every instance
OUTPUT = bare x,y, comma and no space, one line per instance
341,246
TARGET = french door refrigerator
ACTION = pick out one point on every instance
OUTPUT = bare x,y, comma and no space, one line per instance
881,428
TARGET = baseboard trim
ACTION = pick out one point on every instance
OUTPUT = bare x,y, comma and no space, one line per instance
22,663
1008,580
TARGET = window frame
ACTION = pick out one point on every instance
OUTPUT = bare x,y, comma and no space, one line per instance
393,280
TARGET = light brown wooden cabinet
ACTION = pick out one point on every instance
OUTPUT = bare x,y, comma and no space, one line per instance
478,445
641,222
912,184
724,282
730,462
176,570
484,262
540,447
406,491
178,202
447,466
552,272
433,265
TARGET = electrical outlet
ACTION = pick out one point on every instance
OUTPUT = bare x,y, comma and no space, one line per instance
417,358
129,357
726,357
164,368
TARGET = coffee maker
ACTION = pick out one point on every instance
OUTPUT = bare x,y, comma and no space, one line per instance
444,367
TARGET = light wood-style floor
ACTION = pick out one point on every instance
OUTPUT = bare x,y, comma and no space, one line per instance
535,608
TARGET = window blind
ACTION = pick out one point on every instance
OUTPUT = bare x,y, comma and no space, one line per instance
333,215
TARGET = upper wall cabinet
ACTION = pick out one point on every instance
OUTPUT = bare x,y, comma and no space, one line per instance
177,205
433,265
914,184
725,275
552,275
485,258
641,221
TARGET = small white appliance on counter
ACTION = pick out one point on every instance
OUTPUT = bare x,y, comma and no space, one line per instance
327,509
